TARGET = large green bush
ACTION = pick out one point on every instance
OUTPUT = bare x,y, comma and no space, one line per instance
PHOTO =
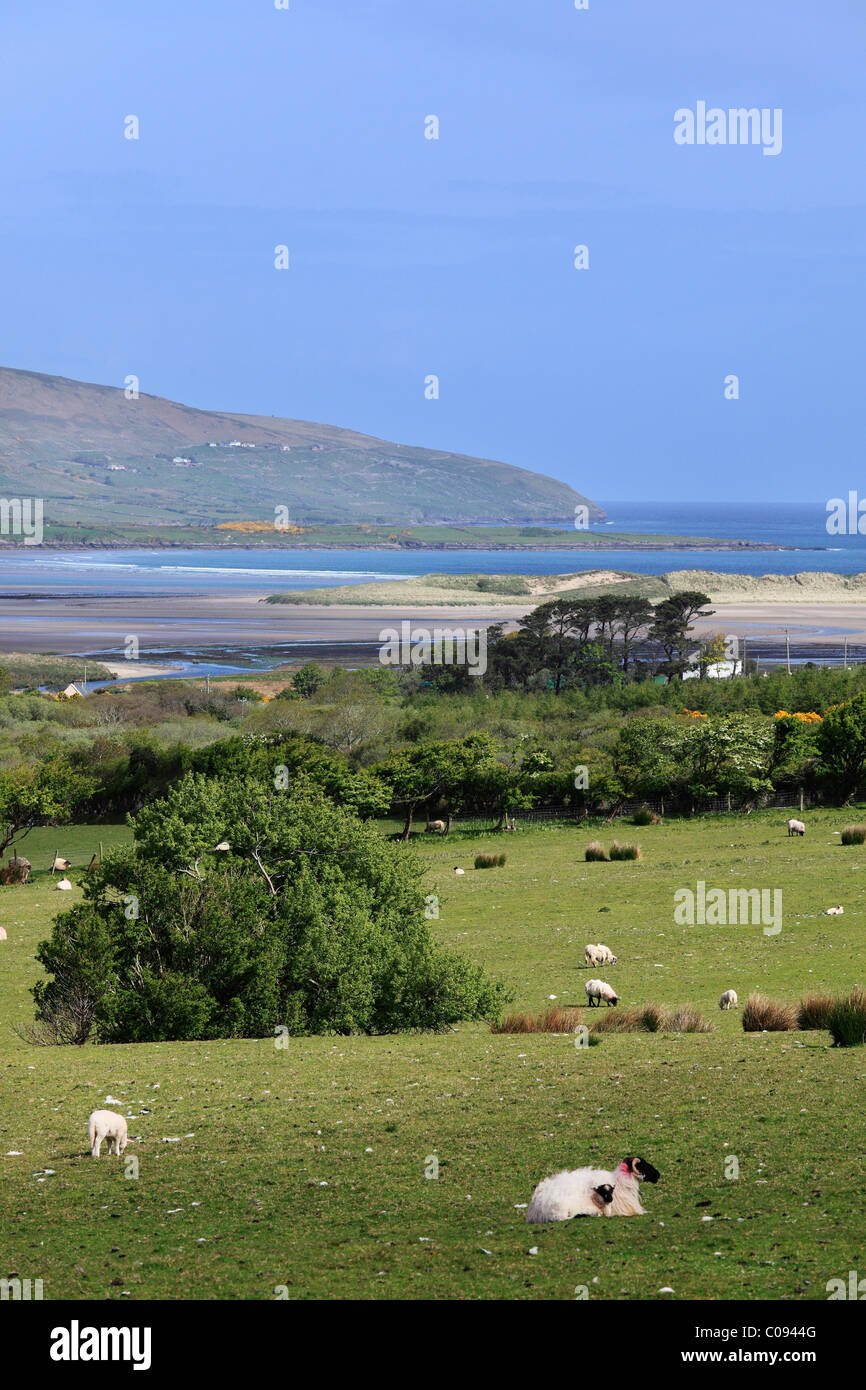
310,919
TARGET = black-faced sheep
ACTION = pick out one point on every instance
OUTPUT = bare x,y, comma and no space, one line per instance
583,1192
596,990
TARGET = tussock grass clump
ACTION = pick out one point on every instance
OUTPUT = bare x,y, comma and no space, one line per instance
846,1019
814,1011
618,851
595,852
489,861
767,1015
685,1019
854,835
558,1020
645,817
652,1018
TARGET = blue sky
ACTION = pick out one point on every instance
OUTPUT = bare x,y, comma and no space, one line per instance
411,257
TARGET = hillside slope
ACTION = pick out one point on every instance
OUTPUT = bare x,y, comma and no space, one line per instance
92,454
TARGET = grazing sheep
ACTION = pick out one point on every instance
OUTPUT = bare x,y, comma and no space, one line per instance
578,1193
460,871
729,999
567,1195
796,827
834,912
435,827
598,990
105,1124
607,954
592,955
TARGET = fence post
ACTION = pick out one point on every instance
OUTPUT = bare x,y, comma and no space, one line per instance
801,798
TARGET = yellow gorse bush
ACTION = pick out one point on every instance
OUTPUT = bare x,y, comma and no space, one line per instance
810,717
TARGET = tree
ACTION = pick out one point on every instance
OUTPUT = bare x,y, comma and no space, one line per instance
308,679
633,617
310,920
841,742
45,794
670,630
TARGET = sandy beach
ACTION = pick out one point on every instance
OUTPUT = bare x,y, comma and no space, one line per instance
170,623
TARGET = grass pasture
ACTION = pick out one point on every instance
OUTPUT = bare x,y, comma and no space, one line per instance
305,1166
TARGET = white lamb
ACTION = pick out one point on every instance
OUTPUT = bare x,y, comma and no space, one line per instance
596,990
729,999
105,1124
569,1194
607,954
566,1195
796,827
592,955
834,911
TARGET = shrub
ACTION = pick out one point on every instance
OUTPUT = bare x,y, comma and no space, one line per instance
854,835
595,852
767,1015
814,1011
618,851
489,861
846,1019
645,817
311,921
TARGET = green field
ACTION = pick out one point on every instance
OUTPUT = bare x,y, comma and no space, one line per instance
305,1167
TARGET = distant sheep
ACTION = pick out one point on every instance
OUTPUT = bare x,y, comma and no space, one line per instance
834,912
578,1193
729,999
435,827
796,827
592,955
596,990
460,871
607,954
567,1195
105,1124
62,885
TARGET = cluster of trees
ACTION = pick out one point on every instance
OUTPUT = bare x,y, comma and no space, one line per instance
586,642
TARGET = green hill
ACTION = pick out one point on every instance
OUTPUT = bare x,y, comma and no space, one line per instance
95,456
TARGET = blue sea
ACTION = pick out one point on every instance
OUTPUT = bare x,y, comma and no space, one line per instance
798,527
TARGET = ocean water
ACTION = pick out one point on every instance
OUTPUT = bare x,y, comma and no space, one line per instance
799,527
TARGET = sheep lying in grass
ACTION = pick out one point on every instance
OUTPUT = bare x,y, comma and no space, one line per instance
565,1196
796,827
105,1124
460,871
834,912
576,1193
596,990
729,999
